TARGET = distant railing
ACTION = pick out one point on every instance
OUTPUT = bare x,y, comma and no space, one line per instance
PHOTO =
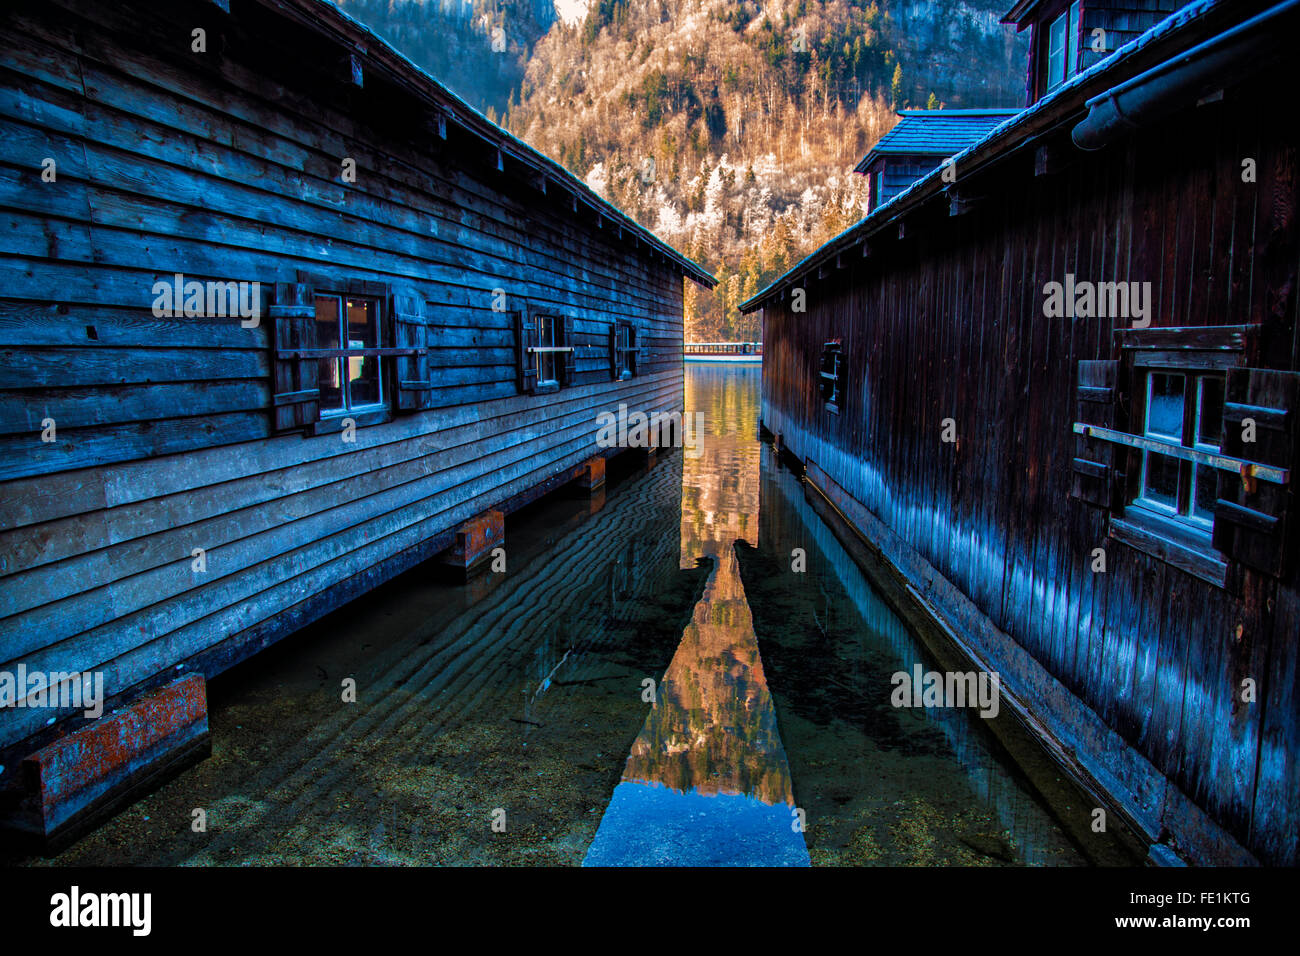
723,348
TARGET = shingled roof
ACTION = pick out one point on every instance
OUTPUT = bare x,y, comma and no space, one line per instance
936,132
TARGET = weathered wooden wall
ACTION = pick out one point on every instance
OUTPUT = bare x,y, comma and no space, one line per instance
948,322
900,172
226,166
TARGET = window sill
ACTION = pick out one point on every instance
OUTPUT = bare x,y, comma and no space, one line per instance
333,424
1161,538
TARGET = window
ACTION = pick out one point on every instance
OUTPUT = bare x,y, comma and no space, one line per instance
545,356
1164,447
350,327
831,377
1063,47
1184,407
546,352
624,352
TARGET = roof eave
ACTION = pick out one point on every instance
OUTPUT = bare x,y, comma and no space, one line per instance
1059,108
324,17
1017,14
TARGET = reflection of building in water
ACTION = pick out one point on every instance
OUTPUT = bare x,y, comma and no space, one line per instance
720,497
788,519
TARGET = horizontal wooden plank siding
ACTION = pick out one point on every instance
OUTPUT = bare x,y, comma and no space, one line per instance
945,320
227,166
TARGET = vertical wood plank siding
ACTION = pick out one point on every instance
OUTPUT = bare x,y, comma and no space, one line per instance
226,166
949,323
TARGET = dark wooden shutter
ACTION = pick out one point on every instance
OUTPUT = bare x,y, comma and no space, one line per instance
1094,462
414,388
1250,526
569,376
613,351
634,351
296,395
525,364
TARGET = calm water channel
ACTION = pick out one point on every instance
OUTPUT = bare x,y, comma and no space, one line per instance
522,700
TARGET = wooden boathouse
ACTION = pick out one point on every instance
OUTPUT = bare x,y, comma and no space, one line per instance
1058,392
280,318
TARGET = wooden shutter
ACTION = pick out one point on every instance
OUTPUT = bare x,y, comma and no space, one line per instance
414,388
569,373
1250,526
634,351
296,394
1094,462
525,363
613,350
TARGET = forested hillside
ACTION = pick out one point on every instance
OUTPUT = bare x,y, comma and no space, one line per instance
730,127
478,48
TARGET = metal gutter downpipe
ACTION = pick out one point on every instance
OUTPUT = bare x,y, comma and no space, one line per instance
1204,68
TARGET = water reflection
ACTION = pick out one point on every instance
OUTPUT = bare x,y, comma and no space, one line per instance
707,781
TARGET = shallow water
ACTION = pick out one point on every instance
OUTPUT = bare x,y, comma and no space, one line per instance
650,682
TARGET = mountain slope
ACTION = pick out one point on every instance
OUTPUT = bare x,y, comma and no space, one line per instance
477,48
731,128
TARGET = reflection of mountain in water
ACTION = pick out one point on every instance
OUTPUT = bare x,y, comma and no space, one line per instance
707,781
714,727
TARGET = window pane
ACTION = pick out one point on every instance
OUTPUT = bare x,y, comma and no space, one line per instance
1165,406
327,337
546,339
1056,51
1205,492
1160,479
1072,41
363,371
363,324
1209,422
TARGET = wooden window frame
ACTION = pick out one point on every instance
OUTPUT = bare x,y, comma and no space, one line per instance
552,323
625,354
830,383
311,284
1072,14
378,351
1177,539
530,349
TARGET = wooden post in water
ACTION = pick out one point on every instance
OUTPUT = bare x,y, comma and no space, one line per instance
474,542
